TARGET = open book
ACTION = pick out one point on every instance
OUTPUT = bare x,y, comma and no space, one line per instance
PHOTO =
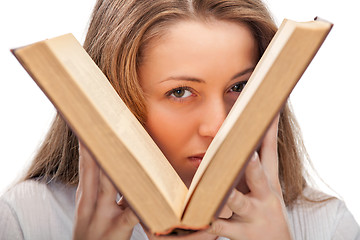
125,151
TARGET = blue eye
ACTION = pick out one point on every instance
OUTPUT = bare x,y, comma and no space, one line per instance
180,92
238,87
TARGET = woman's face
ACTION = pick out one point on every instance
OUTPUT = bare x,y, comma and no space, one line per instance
191,78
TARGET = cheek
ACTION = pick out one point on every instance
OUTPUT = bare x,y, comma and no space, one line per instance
170,129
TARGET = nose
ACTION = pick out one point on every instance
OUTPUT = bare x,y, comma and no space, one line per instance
212,118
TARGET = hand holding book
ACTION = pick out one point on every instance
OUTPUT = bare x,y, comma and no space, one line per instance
262,208
95,198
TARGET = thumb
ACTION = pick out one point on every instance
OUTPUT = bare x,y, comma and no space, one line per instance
123,224
128,217
123,204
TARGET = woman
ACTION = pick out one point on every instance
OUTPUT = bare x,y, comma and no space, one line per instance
179,66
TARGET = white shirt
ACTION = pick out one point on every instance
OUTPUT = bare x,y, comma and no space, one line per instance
33,210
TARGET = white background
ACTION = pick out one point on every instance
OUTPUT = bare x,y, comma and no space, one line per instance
326,101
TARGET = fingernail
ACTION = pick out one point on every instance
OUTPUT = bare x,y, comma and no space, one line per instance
254,157
232,194
118,198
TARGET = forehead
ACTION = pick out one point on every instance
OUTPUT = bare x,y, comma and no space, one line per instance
197,35
212,43
192,30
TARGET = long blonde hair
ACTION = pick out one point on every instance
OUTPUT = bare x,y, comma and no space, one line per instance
118,34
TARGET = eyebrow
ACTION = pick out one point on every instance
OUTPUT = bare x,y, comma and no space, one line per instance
194,79
184,78
242,73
